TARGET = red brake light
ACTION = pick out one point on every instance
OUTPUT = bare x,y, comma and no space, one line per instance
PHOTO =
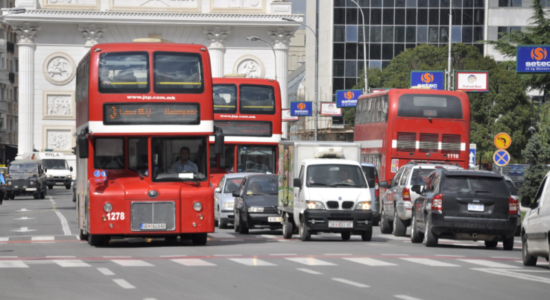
512,206
376,191
406,194
437,202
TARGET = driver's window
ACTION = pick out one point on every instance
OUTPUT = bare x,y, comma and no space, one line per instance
539,192
395,180
301,176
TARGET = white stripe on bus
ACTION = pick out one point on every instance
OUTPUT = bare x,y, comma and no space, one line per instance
98,127
275,138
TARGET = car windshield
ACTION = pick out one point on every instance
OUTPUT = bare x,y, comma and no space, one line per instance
232,185
262,186
179,159
334,175
23,168
420,176
55,164
475,186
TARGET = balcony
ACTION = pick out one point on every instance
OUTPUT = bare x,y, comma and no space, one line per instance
11,47
11,77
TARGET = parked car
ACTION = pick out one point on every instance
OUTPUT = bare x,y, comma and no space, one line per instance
514,194
464,205
372,180
26,177
397,201
224,200
256,204
536,224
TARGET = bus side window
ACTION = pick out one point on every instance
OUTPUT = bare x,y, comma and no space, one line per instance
109,153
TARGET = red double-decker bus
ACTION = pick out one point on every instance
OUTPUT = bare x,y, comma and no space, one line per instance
400,125
249,113
144,116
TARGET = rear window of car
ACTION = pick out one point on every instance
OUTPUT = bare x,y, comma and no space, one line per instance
475,185
511,188
420,176
371,174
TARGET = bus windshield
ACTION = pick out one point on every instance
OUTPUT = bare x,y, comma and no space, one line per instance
256,159
335,176
430,106
179,159
55,164
124,72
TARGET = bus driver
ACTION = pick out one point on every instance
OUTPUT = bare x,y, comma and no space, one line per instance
184,164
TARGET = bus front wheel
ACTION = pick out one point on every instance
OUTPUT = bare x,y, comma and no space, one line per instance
199,239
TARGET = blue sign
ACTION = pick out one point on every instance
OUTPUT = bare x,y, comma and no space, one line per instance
472,158
533,59
432,79
97,173
104,173
516,170
304,108
501,158
347,98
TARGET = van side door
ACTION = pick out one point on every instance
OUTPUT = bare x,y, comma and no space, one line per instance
533,221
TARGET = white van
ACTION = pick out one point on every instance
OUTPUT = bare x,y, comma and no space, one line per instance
58,171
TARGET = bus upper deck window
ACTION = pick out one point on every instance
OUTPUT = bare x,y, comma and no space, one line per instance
177,72
225,98
124,72
257,99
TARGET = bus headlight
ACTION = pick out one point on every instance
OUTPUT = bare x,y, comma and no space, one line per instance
197,206
228,205
363,205
315,205
107,207
256,209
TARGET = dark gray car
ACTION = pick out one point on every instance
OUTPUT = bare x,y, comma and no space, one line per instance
26,177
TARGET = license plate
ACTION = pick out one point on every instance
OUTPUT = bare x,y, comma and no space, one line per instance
340,224
59,183
148,226
274,219
31,189
475,207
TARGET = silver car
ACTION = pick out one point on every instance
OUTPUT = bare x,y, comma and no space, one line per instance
224,200
397,202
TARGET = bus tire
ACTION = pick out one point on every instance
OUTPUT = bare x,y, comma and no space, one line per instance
83,236
97,240
385,227
199,239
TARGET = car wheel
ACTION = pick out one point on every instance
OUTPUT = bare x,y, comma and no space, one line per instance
384,223
508,244
345,236
491,244
12,196
518,230
528,259
430,240
236,223
50,187
68,187
199,239
222,224
399,228
242,226
36,195
6,196
42,195
416,236
83,236
305,235
287,229
366,236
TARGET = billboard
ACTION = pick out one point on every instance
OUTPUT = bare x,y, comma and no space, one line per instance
329,109
347,98
432,79
301,108
533,59
287,117
472,81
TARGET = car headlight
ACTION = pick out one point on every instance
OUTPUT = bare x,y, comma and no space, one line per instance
9,183
197,206
107,207
363,205
31,182
228,205
69,176
315,205
49,176
256,209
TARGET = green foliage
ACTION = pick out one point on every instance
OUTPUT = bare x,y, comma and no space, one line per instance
537,154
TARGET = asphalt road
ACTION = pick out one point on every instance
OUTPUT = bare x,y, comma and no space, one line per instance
41,258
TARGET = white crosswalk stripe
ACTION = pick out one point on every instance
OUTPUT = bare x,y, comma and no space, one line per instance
370,262
13,264
429,262
132,263
310,261
251,262
488,263
71,263
192,262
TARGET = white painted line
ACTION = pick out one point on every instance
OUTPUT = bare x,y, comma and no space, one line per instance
60,256
445,255
23,209
4,239
191,262
395,254
515,274
12,264
251,262
488,263
337,254
350,282
222,255
71,263
309,271
505,257
106,271
24,229
370,262
64,223
9,256
149,299
282,254
429,262
132,263
232,240
310,261
23,218
42,238
405,297
116,256
172,255
269,236
52,201
124,284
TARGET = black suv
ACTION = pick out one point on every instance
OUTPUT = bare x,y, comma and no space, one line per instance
464,205
26,177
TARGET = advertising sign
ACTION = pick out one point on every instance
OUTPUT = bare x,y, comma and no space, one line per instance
287,117
347,98
329,109
472,81
533,59
432,79
302,108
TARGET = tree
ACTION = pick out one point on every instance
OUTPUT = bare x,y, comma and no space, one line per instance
537,154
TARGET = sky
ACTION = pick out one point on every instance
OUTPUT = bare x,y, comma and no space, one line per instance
299,7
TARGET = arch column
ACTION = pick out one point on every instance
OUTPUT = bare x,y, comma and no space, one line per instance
281,38
25,35
217,36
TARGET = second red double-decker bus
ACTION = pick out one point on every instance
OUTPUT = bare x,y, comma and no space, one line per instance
249,113
144,116
400,125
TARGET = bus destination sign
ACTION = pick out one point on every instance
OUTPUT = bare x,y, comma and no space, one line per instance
151,113
244,128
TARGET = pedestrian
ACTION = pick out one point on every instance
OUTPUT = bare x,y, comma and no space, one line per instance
2,183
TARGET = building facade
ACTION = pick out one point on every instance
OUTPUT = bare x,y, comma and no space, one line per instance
54,35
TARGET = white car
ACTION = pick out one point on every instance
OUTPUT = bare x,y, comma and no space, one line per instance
536,224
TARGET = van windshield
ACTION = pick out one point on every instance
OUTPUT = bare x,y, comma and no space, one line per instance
55,164
335,176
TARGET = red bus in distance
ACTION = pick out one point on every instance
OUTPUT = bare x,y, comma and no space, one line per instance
249,113
144,116
400,125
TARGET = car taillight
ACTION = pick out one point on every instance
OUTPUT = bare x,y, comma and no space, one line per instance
376,192
437,202
406,194
512,206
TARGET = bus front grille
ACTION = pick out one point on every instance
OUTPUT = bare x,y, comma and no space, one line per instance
153,213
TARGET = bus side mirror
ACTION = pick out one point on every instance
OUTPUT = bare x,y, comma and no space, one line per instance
220,140
82,143
297,182
417,188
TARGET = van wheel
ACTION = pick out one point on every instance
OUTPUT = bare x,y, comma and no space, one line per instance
36,195
508,244
42,195
68,187
345,236
287,229
305,235
528,259
399,228
366,236
491,244
12,196
384,223
416,237
430,239
50,187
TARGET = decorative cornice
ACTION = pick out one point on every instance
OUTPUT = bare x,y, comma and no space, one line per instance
281,37
92,33
26,33
217,36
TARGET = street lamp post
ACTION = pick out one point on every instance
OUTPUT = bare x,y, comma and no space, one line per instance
255,39
364,46
316,100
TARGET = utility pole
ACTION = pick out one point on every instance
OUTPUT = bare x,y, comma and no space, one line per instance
450,47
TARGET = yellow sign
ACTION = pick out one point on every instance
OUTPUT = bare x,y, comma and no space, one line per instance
503,141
